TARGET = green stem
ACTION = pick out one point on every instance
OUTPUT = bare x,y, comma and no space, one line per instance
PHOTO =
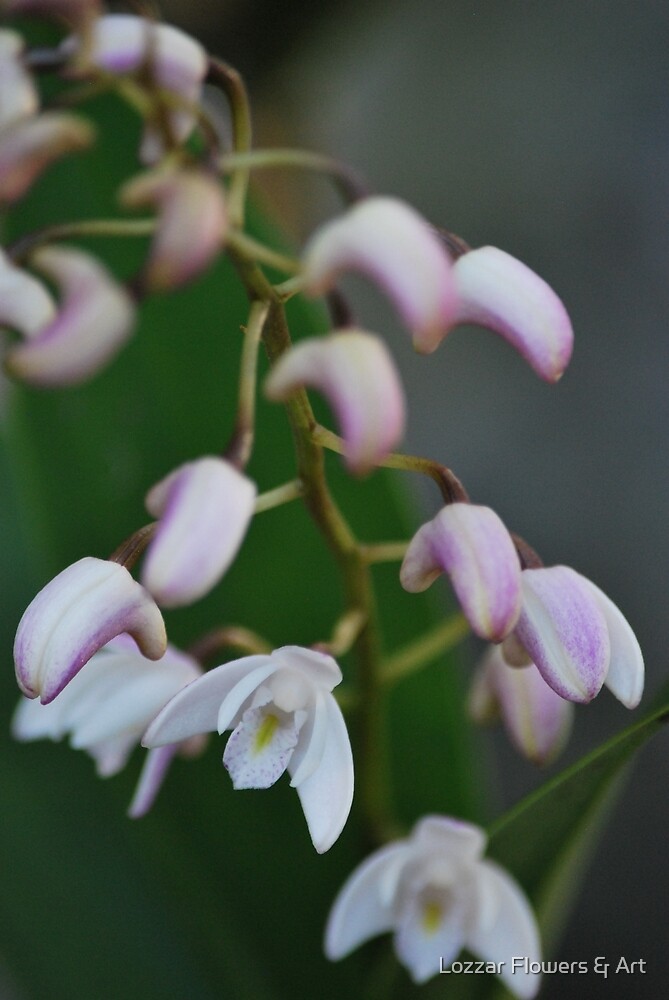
350,185
228,637
240,447
24,246
377,552
231,82
254,250
425,649
278,496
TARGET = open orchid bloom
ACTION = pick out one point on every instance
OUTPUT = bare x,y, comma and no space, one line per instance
358,377
204,509
577,637
174,62
18,96
437,895
29,145
191,226
106,708
77,613
388,241
499,292
538,721
471,545
283,716
94,320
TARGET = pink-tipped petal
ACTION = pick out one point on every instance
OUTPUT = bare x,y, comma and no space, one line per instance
564,630
538,721
389,242
625,677
76,613
497,291
471,545
95,319
357,375
204,508
28,146
25,304
191,225
18,96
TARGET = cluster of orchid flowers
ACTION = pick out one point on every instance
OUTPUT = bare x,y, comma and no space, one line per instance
91,651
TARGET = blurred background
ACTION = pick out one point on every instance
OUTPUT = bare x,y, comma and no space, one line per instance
542,127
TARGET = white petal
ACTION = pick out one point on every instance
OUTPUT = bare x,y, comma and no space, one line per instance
205,508
500,292
25,304
425,941
309,751
326,795
365,904
319,668
195,709
513,931
357,375
18,96
625,677
388,241
459,842
260,748
150,780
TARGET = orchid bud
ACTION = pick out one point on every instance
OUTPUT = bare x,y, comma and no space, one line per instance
471,545
18,96
25,304
499,292
28,146
77,613
357,375
191,227
204,508
389,242
94,320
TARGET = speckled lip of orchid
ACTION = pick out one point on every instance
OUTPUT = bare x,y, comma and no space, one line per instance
564,630
77,613
388,241
471,544
498,291
356,373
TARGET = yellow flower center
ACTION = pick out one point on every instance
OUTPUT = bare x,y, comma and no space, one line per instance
265,733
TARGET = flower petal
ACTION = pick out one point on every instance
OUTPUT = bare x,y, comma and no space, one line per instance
326,795
364,907
357,375
30,145
191,224
513,931
25,304
260,748
564,631
204,508
388,241
95,318
499,292
150,781
471,545
18,96
431,932
76,613
625,677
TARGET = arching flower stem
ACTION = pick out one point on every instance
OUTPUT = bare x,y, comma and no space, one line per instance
228,637
428,647
241,445
349,184
231,82
25,245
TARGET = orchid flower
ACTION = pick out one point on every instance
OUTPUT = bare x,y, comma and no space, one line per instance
29,145
356,374
577,637
437,895
94,319
283,716
537,720
75,615
204,509
471,545
386,240
106,708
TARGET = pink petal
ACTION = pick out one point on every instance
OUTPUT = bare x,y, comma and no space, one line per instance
28,146
625,677
357,375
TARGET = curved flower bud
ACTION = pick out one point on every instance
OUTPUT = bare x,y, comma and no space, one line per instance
438,895
77,613
191,227
357,375
538,721
106,708
497,291
204,509
577,637
283,717
471,545
28,146
389,242
95,318
174,62
18,96
25,304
